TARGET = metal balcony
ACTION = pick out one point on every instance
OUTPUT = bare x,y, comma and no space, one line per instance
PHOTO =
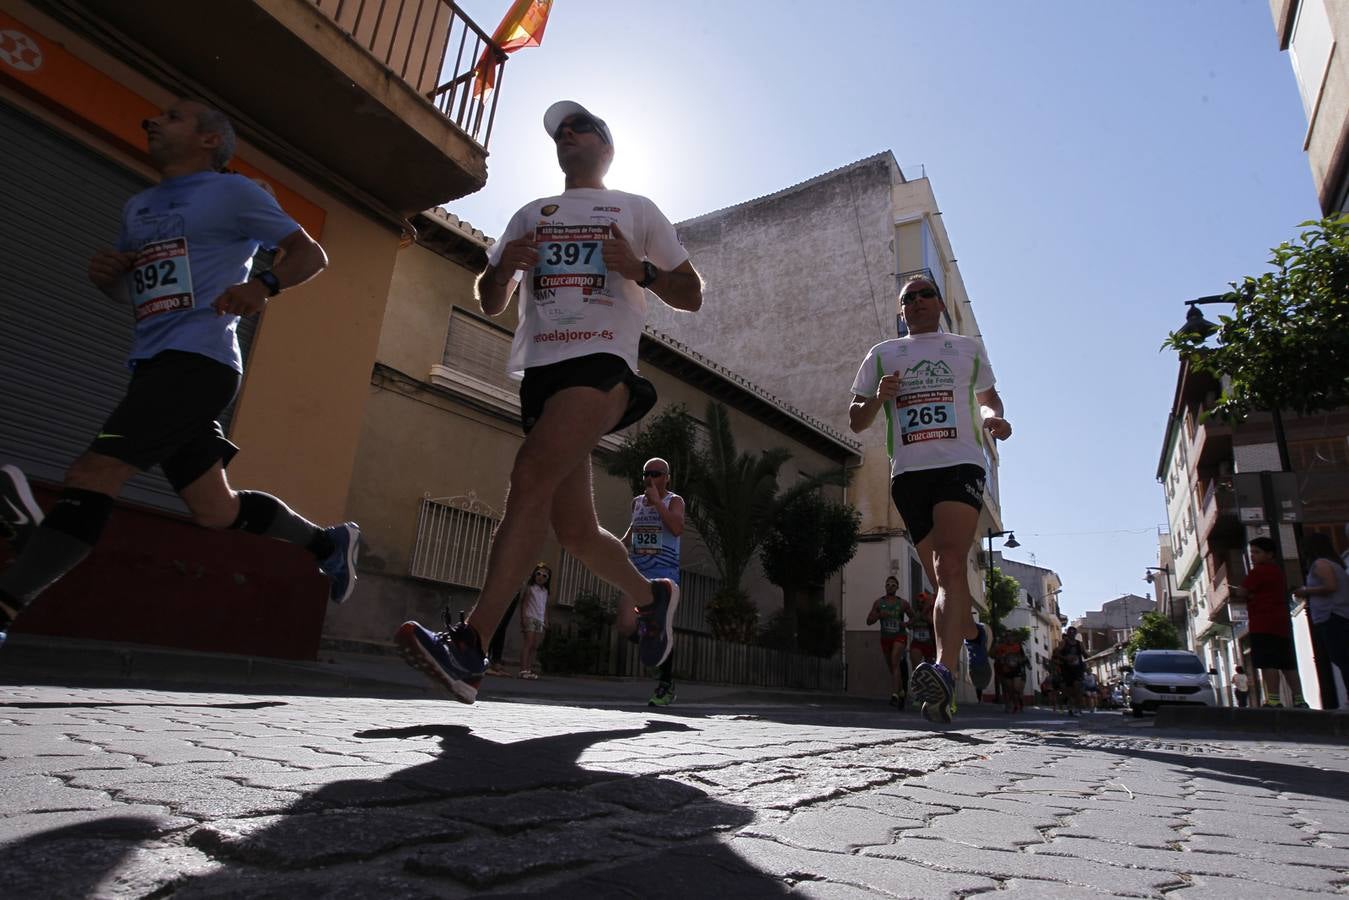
372,98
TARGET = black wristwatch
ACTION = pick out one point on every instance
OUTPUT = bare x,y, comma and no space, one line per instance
649,274
269,279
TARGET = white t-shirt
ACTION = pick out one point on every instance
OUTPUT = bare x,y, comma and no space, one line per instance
1239,681
536,603
934,422
570,304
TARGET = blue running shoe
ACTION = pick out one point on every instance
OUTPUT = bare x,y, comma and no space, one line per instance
932,684
452,658
977,646
655,623
340,566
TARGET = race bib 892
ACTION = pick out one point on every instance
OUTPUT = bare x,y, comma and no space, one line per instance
161,278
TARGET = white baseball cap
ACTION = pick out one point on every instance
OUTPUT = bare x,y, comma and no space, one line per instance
559,111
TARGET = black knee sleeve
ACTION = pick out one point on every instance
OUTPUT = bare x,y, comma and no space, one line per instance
80,514
257,512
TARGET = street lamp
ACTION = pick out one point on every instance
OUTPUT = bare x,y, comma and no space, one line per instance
1011,544
1196,324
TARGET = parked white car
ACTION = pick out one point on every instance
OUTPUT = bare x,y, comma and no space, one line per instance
1168,676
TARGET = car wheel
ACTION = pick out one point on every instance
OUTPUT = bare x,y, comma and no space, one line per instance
1138,712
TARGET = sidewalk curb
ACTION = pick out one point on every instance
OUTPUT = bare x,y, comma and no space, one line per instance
1256,721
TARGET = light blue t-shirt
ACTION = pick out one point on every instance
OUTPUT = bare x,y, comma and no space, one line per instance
195,236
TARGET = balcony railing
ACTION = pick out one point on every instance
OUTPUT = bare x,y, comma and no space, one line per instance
432,46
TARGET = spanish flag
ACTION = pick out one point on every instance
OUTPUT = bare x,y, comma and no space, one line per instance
522,27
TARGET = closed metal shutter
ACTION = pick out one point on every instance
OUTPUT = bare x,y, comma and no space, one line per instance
63,345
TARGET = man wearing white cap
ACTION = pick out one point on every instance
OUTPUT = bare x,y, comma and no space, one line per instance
583,260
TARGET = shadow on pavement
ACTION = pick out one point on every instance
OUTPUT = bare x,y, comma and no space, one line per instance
477,818
1255,773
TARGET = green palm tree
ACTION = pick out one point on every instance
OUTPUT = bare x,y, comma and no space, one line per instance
731,500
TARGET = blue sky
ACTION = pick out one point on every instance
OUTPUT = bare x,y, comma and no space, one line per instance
1096,165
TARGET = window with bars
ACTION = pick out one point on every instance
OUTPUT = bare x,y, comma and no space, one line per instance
454,535
574,578
479,349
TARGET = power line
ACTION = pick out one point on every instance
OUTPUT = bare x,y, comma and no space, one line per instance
1150,529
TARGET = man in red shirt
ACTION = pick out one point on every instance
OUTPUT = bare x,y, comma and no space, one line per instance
1270,627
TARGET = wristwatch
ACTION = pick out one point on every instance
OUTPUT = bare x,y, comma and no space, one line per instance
270,280
649,274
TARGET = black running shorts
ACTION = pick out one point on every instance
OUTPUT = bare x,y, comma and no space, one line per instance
1272,651
916,494
168,417
602,371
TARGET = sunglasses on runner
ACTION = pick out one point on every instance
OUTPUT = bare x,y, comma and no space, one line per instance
579,125
654,473
911,296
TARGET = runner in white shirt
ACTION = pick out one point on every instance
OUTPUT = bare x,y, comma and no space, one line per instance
940,407
584,260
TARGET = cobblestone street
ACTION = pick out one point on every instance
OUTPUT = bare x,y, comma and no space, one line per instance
145,793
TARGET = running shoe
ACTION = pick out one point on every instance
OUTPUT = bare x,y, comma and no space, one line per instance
933,684
1299,703
340,566
664,695
939,713
894,700
19,513
655,623
452,658
1272,704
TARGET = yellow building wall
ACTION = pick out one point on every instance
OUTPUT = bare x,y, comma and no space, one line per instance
303,400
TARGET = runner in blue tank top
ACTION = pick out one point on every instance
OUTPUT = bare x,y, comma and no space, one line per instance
652,540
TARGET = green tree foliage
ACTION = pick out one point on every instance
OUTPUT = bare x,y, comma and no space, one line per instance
731,497
814,628
810,539
1004,592
671,434
1017,635
582,647
1286,343
1154,632
732,616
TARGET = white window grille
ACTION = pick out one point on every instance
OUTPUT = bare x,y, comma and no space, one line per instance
574,578
454,535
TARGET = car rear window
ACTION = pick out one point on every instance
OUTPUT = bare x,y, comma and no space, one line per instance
1181,663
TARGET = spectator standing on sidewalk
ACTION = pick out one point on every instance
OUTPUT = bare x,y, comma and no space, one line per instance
533,617
1270,628
1327,596
1240,687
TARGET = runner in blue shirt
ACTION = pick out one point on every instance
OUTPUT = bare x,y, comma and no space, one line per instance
183,265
